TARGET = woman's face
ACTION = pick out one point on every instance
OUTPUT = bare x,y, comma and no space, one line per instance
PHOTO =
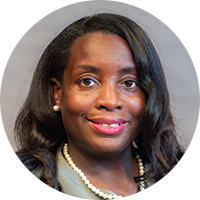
100,101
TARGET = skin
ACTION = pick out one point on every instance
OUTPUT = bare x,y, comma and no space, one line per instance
109,89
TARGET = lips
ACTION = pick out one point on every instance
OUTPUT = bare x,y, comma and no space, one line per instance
108,126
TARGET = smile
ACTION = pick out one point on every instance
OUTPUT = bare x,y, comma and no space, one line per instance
108,126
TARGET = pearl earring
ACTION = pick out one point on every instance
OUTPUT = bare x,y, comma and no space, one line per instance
56,108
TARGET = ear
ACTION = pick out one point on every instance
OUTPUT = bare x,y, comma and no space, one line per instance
56,91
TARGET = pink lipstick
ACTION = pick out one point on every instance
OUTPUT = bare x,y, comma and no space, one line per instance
108,126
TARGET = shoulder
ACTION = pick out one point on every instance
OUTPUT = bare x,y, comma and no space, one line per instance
7,192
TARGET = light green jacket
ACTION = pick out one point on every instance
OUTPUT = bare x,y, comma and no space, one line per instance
74,188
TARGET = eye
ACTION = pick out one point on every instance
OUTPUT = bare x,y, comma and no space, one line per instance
87,82
129,84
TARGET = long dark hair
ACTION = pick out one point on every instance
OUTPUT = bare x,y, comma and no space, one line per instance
40,131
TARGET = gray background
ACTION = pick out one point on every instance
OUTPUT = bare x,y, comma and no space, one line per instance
179,70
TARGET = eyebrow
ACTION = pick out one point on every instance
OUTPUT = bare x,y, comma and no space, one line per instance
96,69
88,67
127,70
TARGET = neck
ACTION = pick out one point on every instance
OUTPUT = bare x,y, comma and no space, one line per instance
88,159
101,169
119,184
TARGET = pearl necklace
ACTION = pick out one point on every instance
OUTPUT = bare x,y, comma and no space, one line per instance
93,188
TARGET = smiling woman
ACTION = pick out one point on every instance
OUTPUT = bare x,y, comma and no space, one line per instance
105,96
91,98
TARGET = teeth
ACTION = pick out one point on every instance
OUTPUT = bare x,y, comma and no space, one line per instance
114,125
104,125
110,125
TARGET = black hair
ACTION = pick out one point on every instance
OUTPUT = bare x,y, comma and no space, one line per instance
40,131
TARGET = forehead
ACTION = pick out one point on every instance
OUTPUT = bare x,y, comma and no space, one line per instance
100,47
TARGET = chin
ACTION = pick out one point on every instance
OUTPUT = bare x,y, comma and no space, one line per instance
107,147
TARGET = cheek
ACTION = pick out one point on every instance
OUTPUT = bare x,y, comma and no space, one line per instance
74,104
136,106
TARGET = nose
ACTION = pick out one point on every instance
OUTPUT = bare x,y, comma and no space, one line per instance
109,99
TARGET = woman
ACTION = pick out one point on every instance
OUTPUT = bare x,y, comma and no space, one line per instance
98,105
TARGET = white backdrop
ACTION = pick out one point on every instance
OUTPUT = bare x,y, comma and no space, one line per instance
27,26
